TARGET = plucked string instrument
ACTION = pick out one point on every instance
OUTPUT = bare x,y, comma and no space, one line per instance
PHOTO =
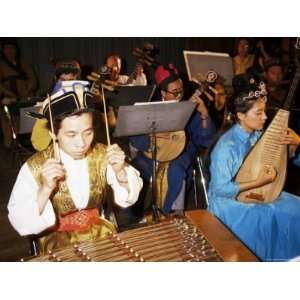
269,151
171,144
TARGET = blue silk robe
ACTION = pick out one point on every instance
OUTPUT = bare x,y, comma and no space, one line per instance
271,231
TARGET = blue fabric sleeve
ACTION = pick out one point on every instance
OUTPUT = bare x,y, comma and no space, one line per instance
223,183
201,136
141,142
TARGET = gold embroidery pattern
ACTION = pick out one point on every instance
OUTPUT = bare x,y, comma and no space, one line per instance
97,165
62,201
63,239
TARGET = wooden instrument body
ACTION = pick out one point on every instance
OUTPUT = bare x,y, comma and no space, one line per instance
267,151
168,146
171,144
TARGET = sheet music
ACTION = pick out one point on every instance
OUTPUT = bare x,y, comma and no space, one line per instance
156,102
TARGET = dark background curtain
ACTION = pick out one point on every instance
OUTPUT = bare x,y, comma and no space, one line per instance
39,51
91,51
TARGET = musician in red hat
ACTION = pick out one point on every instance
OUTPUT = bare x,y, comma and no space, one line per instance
199,131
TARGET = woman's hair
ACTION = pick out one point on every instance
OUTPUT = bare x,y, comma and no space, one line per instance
247,89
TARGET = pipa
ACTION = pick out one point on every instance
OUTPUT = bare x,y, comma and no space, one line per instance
268,151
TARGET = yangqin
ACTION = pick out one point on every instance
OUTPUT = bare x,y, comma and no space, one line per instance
174,239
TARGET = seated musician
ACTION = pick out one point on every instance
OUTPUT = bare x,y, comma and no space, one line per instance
17,81
114,64
59,193
217,106
242,59
270,230
65,69
199,131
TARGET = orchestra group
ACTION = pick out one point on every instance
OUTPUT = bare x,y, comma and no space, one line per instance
61,190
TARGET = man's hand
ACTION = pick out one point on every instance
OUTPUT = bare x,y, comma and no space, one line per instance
116,158
201,108
52,172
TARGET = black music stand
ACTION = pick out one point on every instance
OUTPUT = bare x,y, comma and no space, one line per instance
129,95
151,118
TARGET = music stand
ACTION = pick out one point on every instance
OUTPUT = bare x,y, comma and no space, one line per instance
129,95
201,62
151,118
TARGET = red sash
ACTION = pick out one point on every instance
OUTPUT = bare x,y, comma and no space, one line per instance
79,220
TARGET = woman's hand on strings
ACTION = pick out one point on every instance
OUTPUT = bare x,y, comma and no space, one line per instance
266,175
290,137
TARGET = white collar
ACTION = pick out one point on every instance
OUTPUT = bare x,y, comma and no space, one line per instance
66,158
